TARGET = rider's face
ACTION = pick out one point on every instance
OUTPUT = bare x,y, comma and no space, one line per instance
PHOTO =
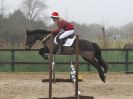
54,19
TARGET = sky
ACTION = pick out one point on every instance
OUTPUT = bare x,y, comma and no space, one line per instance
105,12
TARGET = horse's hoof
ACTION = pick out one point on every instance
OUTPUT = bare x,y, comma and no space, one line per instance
103,79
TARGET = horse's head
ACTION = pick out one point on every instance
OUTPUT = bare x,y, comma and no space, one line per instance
30,40
33,36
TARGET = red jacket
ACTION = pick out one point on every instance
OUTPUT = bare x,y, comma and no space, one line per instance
62,24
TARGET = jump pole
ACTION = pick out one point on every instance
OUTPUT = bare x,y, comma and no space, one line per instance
77,93
77,66
50,67
77,96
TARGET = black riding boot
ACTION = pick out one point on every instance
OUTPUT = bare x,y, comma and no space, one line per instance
60,47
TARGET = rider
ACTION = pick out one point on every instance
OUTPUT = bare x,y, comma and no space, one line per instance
64,30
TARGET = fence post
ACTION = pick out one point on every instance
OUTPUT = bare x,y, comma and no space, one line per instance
77,66
50,66
126,60
13,59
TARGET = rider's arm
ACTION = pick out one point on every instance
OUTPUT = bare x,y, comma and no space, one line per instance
60,25
56,31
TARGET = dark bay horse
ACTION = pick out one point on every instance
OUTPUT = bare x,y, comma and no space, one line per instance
89,51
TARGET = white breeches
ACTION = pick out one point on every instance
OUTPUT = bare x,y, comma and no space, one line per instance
66,34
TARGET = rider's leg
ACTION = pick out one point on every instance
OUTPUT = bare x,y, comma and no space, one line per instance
61,39
66,34
60,48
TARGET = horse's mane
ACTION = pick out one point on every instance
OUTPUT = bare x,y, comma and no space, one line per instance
38,31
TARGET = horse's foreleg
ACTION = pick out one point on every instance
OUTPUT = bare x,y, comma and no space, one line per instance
44,52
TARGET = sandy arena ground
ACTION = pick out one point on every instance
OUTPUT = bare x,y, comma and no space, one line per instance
29,86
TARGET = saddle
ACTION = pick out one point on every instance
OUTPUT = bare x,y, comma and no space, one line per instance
64,39
68,41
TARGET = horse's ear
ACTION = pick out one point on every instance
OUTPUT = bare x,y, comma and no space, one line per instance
28,31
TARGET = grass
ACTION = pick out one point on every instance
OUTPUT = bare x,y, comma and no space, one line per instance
112,43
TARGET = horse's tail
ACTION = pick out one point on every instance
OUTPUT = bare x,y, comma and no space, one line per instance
98,56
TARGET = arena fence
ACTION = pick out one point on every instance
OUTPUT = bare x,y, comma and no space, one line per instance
113,57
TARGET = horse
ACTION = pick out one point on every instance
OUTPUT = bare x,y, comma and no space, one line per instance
89,51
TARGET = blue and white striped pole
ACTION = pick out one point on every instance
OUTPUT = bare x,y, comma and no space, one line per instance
73,75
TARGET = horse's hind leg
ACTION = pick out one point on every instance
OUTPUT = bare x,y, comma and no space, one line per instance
102,63
98,56
98,67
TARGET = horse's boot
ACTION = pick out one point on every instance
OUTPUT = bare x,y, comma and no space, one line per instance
60,47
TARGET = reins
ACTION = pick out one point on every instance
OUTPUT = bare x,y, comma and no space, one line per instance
43,40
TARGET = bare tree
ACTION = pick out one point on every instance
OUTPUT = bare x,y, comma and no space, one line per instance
32,9
2,8
2,13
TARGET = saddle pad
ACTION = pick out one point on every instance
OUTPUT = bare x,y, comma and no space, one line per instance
68,42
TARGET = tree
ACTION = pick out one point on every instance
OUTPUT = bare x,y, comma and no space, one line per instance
14,27
32,10
2,8
2,11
